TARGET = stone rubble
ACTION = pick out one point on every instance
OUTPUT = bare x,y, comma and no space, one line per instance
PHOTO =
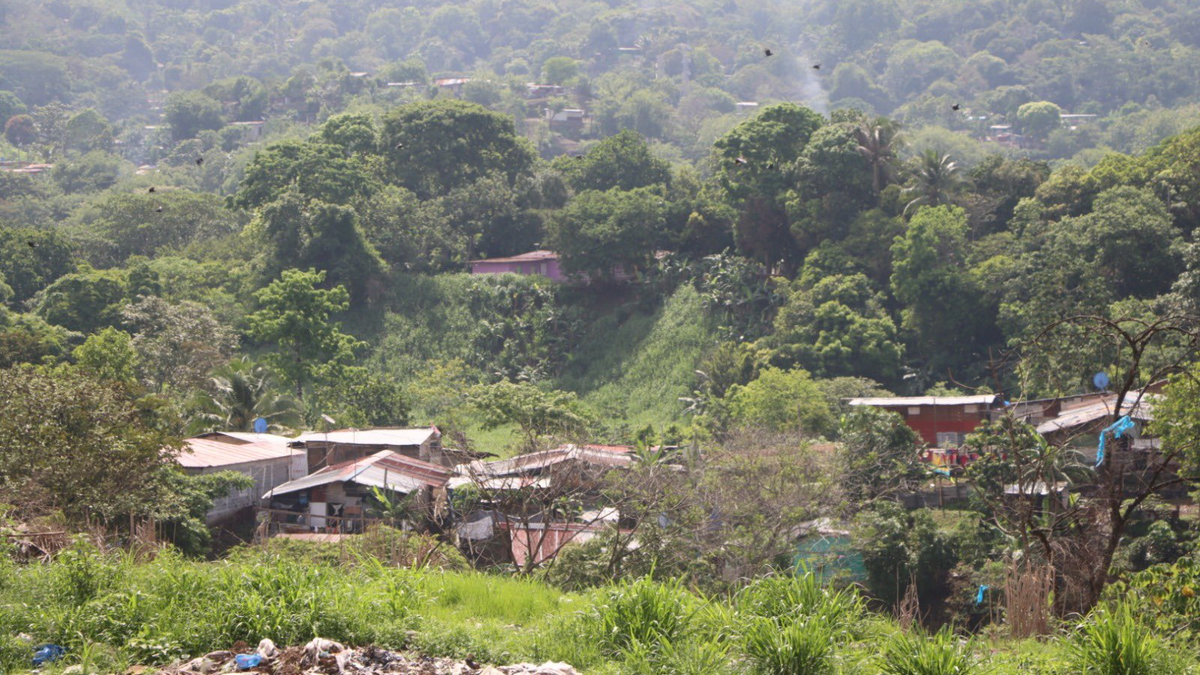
326,657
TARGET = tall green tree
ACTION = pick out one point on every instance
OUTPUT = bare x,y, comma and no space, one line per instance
599,232
837,327
432,147
77,445
622,161
755,160
320,171
321,236
190,112
930,277
295,316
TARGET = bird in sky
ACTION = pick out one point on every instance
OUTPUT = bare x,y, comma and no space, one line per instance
399,146
768,52
816,66
956,107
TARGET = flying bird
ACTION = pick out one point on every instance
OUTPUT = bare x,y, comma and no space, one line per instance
740,160
158,210
816,66
32,244
399,145
768,52
199,161
956,107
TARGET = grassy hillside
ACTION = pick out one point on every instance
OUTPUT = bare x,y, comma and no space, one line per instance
634,365
111,612
629,358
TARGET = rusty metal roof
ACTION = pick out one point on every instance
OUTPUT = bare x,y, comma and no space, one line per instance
201,453
1076,417
534,461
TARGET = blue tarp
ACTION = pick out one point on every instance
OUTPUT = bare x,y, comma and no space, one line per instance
1117,429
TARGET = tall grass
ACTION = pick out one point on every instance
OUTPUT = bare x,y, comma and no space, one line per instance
111,611
1112,642
918,653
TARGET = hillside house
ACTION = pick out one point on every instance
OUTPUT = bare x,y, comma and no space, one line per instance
543,263
337,498
325,448
567,120
941,421
266,458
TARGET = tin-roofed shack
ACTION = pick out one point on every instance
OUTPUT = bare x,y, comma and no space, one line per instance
940,421
265,458
337,498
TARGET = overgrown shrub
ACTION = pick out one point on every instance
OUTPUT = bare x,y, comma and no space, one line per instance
797,646
642,614
1113,642
917,653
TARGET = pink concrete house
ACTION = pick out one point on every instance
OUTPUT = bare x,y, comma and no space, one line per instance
544,263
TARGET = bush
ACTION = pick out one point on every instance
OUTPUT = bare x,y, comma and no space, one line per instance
1112,642
916,653
642,614
801,596
801,646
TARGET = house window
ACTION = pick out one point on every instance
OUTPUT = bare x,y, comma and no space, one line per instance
971,408
949,439
914,411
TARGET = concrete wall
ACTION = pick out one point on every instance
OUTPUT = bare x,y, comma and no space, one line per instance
546,268
267,474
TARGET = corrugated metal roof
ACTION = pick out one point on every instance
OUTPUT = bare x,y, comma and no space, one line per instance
1077,417
532,256
385,469
902,401
201,453
397,437
545,458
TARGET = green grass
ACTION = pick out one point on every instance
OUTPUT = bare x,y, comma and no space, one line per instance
633,366
112,611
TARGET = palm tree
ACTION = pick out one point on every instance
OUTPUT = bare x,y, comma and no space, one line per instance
878,140
935,179
241,392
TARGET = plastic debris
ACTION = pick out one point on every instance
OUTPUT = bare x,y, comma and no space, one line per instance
47,654
327,657
247,661
267,649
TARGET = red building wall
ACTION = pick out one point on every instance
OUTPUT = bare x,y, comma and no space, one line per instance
930,420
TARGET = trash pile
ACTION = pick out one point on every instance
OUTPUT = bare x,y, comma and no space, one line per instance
326,657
